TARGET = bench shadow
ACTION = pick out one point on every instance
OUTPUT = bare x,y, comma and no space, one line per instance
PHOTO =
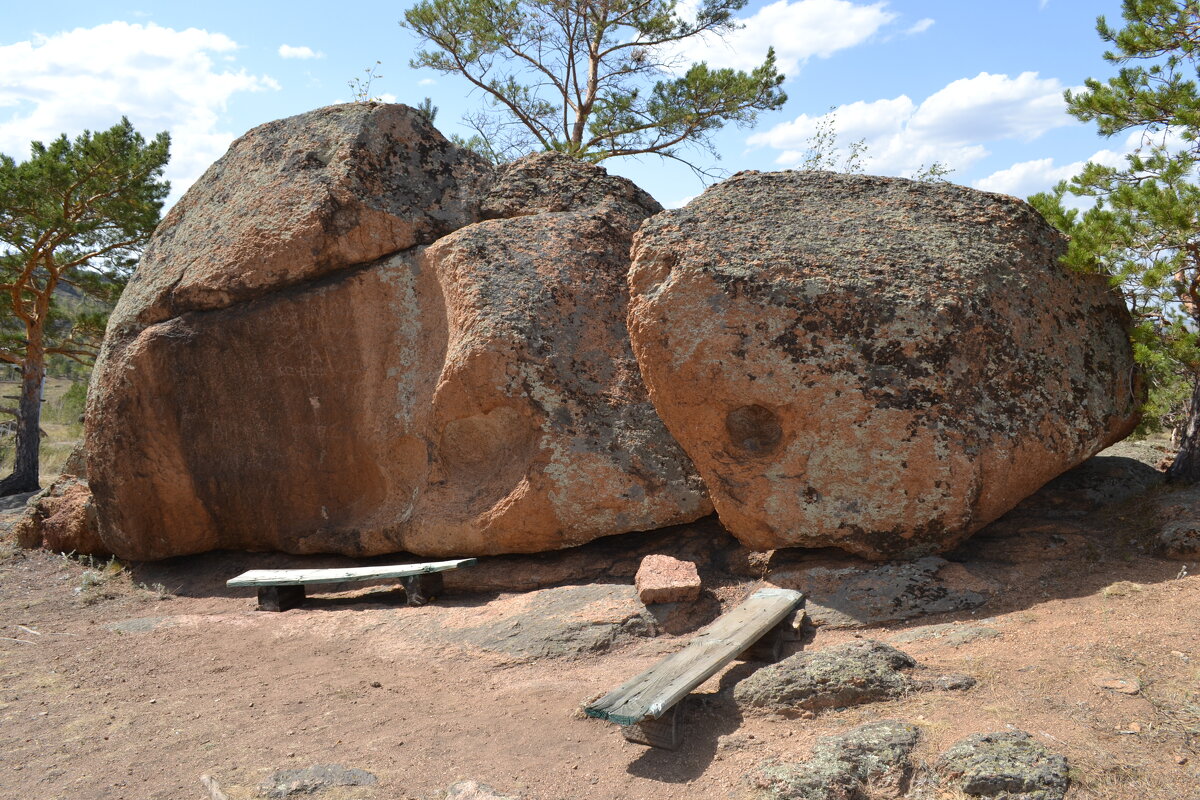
706,718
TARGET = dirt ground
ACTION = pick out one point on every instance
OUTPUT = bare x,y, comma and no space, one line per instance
132,681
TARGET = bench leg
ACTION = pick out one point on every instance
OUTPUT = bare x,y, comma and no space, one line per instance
770,647
422,588
280,598
665,732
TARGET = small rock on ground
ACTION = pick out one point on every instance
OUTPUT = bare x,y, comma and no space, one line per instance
474,790
664,579
1008,765
876,754
1178,534
949,633
563,622
294,782
851,674
1180,540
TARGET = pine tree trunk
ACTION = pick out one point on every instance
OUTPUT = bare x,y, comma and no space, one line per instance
1186,468
24,477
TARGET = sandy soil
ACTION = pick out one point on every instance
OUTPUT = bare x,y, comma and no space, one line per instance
113,687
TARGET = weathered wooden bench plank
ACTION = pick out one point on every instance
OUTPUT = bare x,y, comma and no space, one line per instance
281,589
298,577
646,704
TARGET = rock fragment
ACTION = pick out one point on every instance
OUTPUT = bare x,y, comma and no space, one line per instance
287,783
664,579
63,516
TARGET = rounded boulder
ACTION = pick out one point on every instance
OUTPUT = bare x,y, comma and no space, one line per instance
871,363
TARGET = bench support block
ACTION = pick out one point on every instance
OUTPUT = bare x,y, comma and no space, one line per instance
769,648
665,732
772,644
422,588
280,598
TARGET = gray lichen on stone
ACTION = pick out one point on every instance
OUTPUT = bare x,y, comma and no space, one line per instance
843,766
1009,765
851,674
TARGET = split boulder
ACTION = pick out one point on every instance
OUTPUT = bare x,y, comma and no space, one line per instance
295,368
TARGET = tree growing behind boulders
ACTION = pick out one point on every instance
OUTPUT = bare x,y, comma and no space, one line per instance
77,214
594,80
1144,229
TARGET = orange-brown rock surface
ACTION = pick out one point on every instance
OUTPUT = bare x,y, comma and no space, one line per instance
331,384
63,517
541,432
876,364
299,198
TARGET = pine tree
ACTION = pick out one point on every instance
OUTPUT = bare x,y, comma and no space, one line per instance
1144,228
76,213
591,78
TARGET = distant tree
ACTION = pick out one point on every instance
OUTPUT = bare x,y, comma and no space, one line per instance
428,110
591,78
1144,228
75,214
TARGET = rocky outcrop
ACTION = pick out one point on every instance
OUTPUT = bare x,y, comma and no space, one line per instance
299,198
293,368
541,434
1008,765
62,518
871,363
872,760
858,672
876,760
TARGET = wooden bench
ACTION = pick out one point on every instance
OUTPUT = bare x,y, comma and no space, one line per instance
281,589
647,706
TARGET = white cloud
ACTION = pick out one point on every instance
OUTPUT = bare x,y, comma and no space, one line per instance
920,26
426,82
995,107
951,126
798,31
681,202
87,78
1027,177
287,51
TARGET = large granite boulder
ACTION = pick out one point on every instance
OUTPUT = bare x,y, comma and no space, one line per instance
295,369
875,364
541,433
299,198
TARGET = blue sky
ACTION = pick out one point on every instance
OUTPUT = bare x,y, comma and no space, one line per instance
974,85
